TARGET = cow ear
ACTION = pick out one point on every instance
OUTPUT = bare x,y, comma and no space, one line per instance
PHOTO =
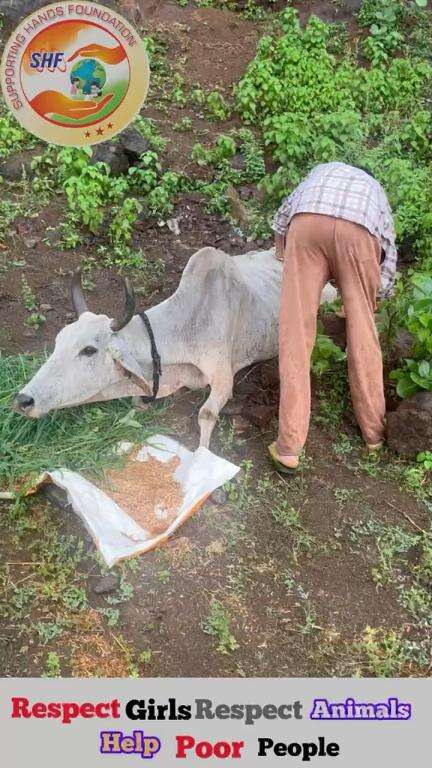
125,360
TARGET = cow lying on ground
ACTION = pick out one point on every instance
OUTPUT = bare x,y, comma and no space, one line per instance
222,317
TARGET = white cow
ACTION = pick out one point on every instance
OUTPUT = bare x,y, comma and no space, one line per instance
222,317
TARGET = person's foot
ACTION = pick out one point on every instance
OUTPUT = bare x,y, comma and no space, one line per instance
374,446
290,462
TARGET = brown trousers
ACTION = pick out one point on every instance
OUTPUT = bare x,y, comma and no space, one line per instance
317,248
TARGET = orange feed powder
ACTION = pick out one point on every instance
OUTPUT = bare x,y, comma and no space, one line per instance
147,491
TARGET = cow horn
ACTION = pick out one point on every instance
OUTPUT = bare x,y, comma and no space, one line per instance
78,300
129,312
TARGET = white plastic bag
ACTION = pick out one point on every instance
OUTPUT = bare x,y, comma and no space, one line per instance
116,534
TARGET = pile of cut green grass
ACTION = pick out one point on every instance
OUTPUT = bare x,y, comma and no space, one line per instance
80,439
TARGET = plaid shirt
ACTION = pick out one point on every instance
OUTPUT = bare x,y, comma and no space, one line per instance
340,190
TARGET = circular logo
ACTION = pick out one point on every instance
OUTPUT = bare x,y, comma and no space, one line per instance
75,73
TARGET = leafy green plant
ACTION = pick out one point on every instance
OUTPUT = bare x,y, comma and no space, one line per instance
325,354
416,373
217,107
425,458
52,665
147,127
12,136
217,624
80,438
125,216
224,148
337,110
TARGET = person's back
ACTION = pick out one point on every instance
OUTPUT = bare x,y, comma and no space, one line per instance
336,224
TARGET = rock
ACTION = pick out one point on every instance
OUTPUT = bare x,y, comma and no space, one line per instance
259,415
238,210
106,584
14,12
57,496
13,167
247,191
133,143
240,424
113,154
219,497
238,162
421,400
403,345
173,226
409,428
270,374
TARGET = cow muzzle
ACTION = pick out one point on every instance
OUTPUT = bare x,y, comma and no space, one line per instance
23,404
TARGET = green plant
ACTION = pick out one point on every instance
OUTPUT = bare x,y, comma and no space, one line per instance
183,125
125,216
383,652
80,438
217,625
416,373
225,148
147,127
325,354
12,136
52,665
425,458
217,107
35,318
337,110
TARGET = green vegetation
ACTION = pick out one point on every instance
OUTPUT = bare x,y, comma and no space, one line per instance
415,302
82,438
217,624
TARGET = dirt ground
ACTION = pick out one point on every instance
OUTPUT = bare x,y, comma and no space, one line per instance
291,563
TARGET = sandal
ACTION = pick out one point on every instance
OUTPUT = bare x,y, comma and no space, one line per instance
282,468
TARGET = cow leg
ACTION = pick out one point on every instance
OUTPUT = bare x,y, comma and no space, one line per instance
220,393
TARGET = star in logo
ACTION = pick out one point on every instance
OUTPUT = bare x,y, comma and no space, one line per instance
87,134
99,131
110,125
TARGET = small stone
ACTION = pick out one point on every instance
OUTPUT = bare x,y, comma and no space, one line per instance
219,497
57,496
46,307
240,424
106,584
403,345
31,242
238,161
13,167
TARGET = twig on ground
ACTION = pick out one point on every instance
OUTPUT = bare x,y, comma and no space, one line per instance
410,520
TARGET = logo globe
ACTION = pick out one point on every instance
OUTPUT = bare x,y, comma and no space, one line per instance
75,74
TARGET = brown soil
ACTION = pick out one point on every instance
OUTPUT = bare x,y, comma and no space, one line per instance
147,491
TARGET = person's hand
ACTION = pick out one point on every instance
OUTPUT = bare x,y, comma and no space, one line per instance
55,102
108,55
341,312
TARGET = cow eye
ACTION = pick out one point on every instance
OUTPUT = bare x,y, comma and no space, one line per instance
88,351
